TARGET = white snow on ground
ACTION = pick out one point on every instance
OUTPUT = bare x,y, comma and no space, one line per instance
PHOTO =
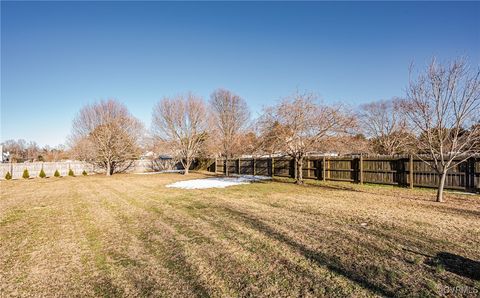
217,182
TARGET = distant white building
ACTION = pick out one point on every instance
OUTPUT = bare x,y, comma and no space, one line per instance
4,156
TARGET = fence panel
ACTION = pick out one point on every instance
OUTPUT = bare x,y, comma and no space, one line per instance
283,167
310,168
231,165
34,168
263,167
341,169
246,166
389,171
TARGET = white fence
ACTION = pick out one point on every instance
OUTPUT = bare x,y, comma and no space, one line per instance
34,168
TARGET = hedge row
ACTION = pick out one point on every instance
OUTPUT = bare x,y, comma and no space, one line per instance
42,174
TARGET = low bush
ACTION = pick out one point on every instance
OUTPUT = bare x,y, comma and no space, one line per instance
84,173
25,175
70,173
57,173
42,174
8,176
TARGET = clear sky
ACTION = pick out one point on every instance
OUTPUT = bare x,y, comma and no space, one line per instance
58,56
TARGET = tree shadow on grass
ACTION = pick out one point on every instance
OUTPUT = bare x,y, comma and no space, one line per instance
311,183
457,264
457,211
319,258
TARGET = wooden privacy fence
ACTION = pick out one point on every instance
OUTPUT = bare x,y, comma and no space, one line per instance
394,170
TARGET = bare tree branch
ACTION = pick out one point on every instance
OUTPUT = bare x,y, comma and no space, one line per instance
443,109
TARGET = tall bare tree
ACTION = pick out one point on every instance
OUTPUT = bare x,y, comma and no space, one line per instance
443,106
105,133
385,125
301,124
182,122
230,117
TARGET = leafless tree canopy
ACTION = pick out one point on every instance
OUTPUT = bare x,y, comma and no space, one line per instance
106,134
181,122
230,117
23,151
443,108
384,123
300,124
346,144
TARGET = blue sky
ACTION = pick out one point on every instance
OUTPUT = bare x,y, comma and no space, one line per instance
58,56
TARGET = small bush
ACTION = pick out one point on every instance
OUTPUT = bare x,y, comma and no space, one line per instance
84,173
57,173
42,174
70,173
8,176
25,175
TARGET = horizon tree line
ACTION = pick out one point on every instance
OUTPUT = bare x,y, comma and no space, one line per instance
438,120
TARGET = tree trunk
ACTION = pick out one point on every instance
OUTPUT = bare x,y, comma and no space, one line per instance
186,167
109,167
226,166
441,185
295,173
299,162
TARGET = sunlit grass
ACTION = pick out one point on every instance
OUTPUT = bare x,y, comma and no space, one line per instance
129,235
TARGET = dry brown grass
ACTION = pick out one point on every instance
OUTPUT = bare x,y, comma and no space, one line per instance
128,235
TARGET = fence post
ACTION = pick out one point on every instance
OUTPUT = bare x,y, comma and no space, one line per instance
308,166
360,166
239,172
324,169
410,171
273,166
253,166
294,168
477,186
470,174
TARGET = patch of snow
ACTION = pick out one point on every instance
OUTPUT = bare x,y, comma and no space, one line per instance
217,182
462,193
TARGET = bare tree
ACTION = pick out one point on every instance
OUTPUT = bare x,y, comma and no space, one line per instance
230,117
182,122
106,134
443,106
385,125
301,124
32,151
17,150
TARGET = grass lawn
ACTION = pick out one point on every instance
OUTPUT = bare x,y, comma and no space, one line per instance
129,235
